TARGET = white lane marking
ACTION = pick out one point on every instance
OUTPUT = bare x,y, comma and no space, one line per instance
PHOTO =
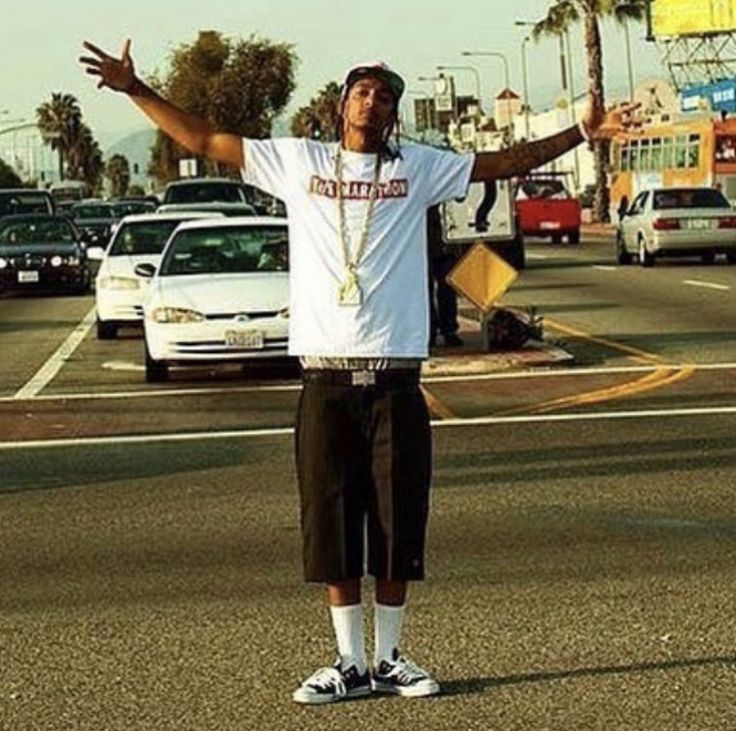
123,365
706,285
530,255
470,377
605,268
53,365
287,431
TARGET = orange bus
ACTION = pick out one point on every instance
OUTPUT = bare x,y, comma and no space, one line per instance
688,151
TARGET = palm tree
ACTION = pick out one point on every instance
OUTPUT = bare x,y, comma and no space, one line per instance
560,16
318,119
84,158
59,121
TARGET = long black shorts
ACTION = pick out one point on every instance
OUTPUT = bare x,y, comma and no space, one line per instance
363,457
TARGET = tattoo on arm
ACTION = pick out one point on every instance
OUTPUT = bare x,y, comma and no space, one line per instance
524,157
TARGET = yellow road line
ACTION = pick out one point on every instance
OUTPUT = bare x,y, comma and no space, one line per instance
436,406
639,355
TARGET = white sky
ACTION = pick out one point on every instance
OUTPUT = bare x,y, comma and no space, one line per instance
42,40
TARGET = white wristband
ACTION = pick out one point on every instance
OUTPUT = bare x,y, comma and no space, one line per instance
584,132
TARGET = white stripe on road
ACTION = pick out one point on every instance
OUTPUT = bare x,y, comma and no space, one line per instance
605,268
53,365
706,285
287,431
536,256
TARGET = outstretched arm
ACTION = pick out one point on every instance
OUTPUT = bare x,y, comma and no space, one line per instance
523,158
190,131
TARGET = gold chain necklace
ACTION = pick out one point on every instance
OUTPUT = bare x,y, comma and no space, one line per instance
349,293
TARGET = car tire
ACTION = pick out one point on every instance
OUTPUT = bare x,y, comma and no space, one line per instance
106,330
622,256
556,239
157,371
731,257
646,258
708,258
574,237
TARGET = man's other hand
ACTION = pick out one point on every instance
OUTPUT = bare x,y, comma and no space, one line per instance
605,125
116,74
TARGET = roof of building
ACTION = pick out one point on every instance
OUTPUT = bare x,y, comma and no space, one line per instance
507,94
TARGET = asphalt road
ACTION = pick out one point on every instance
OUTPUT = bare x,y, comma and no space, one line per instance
581,548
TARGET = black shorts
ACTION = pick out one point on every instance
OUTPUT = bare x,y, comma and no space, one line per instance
363,456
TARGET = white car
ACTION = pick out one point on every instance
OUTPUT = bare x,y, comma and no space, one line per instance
119,291
677,222
220,293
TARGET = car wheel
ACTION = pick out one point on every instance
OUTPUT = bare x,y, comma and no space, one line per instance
623,256
157,371
556,239
646,258
708,258
574,237
106,330
731,257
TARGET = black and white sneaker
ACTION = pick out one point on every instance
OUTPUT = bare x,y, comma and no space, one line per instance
402,676
329,685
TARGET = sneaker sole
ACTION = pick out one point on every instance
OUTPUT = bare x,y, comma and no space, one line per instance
319,700
419,691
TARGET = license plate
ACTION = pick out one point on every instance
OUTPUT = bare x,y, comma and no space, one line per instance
700,224
28,277
547,225
252,339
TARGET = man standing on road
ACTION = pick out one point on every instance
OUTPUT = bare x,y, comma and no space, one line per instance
359,323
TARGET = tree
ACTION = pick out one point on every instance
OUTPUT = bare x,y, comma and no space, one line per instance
117,171
318,119
85,159
59,121
560,16
238,86
8,176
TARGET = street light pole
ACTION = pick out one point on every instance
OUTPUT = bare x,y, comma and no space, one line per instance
525,74
474,71
629,60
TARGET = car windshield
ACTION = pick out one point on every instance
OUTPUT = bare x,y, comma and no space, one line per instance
147,237
15,203
85,211
37,231
202,192
227,250
127,208
689,198
543,189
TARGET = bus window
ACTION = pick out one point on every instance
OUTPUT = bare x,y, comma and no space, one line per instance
681,151
668,153
616,160
634,155
657,153
645,156
625,153
693,151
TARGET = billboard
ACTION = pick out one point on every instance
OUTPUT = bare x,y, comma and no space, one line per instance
719,96
675,18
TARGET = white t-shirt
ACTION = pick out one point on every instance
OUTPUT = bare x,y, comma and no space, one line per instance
393,319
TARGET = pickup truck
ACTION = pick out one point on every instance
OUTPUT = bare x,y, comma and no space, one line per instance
545,208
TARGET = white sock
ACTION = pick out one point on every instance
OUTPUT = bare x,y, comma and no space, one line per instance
348,625
387,628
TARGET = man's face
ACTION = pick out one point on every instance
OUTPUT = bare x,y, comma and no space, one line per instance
370,104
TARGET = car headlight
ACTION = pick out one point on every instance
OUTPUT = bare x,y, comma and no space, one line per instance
118,283
56,261
3,263
176,314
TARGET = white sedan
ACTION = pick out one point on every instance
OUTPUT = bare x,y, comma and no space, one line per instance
677,222
119,291
220,294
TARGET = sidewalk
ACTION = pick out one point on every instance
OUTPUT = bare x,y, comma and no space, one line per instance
472,359
598,230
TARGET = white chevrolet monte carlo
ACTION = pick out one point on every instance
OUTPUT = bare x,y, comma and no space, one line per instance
677,222
220,294
119,291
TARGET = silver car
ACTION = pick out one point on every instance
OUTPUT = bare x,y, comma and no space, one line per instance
677,222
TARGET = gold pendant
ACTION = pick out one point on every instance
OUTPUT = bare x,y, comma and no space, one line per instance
348,293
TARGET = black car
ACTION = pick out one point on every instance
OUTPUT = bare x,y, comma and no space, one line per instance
133,205
40,251
95,220
15,201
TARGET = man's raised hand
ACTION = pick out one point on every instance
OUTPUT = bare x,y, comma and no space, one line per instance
614,121
116,74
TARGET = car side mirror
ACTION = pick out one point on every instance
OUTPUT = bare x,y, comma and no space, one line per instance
145,270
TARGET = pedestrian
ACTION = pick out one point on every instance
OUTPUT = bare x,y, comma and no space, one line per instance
359,323
442,297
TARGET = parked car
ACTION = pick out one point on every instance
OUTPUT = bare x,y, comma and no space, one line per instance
119,291
202,190
226,209
219,294
42,251
95,219
546,208
16,201
677,222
